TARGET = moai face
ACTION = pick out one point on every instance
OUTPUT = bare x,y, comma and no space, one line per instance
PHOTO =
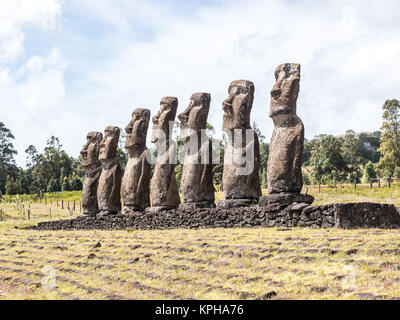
163,117
195,115
90,151
137,128
109,144
237,106
286,89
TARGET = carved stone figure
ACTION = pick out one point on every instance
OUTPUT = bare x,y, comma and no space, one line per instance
92,167
197,184
135,187
287,142
163,187
108,192
240,178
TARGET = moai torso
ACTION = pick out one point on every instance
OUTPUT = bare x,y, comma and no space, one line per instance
163,187
135,187
92,167
197,184
108,192
240,180
287,142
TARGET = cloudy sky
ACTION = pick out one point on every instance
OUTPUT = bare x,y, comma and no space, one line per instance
73,66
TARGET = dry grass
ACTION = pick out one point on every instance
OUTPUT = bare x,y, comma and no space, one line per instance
201,264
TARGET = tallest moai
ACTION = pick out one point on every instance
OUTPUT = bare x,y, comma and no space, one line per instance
287,143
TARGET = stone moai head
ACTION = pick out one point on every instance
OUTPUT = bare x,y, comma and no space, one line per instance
161,121
90,151
237,106
286,89
109,144
195,115
136,130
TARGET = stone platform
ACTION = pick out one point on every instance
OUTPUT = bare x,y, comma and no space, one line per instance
345,215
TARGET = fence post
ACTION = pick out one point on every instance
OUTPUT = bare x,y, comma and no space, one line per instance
1,214
319,188
389,182
74,206
355,186
62,204
379,183
307,190
370,183
29,214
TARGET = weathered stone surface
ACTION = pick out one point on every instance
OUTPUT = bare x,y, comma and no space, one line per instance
299,206
196,205
240,178
92,167
285,198
342,216
236,203
109,189
365,215
135,187
287,142
163,187
197,182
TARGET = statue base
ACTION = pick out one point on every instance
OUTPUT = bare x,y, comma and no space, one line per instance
129,209
236,203
285,199
158,209
196,205
106,213
90,214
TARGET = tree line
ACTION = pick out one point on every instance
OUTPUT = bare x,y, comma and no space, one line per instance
327,159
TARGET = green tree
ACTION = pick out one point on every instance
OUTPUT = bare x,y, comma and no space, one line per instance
76,183
307,152
369,172
7,161
390,140
370,145
11,186
122,154
66,185
264,153
52,163
328,164
351,152
53,185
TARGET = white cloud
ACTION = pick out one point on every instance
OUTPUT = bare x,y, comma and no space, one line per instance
348,51
348,55
33,89
18,14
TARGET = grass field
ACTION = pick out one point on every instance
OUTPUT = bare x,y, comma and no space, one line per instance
256,263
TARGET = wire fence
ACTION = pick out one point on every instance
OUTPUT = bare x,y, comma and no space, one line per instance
373,183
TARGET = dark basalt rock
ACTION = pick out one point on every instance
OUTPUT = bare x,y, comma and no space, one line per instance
285,199
343,215
236,203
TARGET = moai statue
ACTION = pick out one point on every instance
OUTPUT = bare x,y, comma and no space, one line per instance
135,187
197,184
240,178
92,167
163,187
108,192
287,142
